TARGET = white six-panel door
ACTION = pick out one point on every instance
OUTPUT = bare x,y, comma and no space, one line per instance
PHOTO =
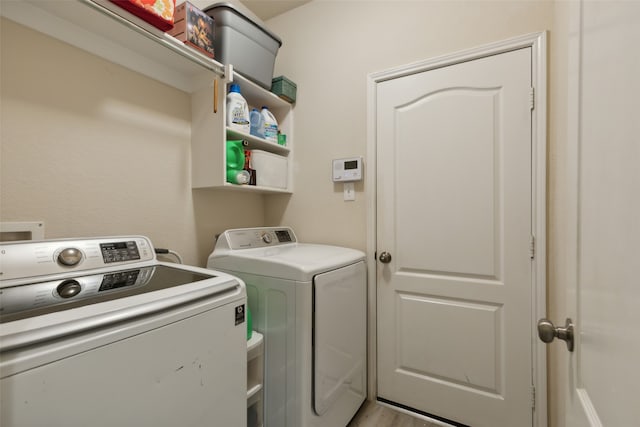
454,211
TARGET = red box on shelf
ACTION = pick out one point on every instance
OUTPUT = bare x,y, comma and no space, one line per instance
158,13
193,27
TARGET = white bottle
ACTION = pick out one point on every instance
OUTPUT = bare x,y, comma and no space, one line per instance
270,125
237,110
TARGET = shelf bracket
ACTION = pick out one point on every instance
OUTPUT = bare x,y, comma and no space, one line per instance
228,73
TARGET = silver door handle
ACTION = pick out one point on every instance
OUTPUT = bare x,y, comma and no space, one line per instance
385,257
547,332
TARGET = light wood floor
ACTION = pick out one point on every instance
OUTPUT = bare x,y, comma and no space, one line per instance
372,414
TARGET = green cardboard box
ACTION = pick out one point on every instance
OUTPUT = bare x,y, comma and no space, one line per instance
284,88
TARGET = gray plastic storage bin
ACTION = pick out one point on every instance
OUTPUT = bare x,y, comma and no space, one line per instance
241,39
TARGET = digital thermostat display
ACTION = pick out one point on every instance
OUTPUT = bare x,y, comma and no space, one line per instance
347,169
352,164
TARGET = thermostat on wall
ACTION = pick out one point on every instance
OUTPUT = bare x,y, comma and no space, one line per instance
349,169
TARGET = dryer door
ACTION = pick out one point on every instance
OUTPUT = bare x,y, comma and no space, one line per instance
339,337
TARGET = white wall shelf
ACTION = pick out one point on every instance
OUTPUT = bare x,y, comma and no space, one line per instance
255,380
104,29
209,135
256,143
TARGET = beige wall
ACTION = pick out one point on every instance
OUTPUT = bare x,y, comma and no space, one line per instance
329,49
92,149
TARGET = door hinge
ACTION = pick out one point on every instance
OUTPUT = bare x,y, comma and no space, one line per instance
532,98
533,398
532,247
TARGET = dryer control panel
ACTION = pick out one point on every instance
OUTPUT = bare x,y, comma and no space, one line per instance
250,238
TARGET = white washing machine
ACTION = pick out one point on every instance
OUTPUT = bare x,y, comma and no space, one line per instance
97,332
309,302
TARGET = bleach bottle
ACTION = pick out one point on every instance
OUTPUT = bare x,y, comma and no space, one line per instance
257,123
270,125
237,110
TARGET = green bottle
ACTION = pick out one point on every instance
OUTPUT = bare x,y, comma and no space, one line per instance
249,324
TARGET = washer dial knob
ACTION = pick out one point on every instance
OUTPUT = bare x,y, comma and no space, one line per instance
266,238
69,257
68,288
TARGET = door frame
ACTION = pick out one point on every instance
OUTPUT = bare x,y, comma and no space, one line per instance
538,44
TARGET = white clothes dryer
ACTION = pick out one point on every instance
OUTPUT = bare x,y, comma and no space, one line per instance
309,302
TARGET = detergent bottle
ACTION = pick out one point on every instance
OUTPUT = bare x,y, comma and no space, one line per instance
237,110
270,125
235,163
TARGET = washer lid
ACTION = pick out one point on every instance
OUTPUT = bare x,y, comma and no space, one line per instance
51,296
294,261
42,311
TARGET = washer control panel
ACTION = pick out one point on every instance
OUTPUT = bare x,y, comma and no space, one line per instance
250,238
47,257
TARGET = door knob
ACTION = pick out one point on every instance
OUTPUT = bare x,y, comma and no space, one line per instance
547,332
385,257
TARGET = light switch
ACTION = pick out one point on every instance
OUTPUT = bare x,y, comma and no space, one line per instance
349,191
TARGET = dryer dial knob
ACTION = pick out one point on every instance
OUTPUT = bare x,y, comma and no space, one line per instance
69,257
266,238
